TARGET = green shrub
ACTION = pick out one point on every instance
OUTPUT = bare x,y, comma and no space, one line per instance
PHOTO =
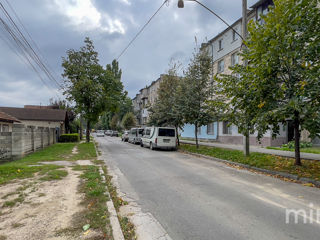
291,145
73,137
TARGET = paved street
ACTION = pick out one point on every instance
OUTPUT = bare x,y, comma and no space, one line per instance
195,198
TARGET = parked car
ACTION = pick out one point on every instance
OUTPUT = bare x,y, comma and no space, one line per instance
135,135
108,132
114,134
159,137
100,133
125,136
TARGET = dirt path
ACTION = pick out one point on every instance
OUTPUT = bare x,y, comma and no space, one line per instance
42,208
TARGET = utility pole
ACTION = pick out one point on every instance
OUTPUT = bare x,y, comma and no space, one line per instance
246,137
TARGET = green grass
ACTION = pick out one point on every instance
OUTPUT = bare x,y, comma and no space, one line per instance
315,150
86,151
309,169
54,175
96,213
21,168
126,226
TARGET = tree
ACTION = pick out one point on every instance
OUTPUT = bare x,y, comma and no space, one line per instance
114,122
129,120
282,77
93,89
165,111
195,91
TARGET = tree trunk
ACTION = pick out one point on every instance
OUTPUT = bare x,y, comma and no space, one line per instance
81,134
196,134
88,131
296,124
177,136
246,143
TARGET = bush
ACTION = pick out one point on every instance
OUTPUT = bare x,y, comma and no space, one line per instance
73,137
291,145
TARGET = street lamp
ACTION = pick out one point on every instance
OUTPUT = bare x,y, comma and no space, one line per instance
181,5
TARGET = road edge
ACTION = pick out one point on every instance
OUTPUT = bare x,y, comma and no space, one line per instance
273,173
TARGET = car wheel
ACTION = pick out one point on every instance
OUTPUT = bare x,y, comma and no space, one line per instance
141,144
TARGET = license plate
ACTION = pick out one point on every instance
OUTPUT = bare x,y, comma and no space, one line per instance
166,140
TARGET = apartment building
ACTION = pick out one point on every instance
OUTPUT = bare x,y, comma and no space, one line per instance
144,99
224,49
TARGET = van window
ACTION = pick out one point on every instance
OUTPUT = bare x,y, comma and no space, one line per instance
165,132
140,131
148,132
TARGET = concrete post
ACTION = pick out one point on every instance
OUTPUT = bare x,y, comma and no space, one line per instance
18,131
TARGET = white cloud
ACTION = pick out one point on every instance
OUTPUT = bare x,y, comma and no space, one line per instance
126,2
86,17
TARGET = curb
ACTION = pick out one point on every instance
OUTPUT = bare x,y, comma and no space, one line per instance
261,170
114,221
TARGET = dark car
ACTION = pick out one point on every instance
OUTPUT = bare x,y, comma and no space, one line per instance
115,134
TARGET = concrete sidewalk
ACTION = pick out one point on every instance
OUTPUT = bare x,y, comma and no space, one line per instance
309,156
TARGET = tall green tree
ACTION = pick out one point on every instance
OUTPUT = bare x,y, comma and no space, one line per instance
281,80
114,122
165,111
128,120
92,88
195,91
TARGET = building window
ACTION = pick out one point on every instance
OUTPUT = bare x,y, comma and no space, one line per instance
225,128
221,66
234,35
5,128
234,59
210,129
220,45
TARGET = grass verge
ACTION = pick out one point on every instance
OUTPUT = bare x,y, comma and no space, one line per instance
315,150
126,226
96,213
29,165
309,169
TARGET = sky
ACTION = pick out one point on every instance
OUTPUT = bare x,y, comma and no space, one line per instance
56,26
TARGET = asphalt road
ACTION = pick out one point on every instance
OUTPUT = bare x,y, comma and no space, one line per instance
195,198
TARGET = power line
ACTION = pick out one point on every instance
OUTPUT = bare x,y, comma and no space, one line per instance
27,46
144,26
30,37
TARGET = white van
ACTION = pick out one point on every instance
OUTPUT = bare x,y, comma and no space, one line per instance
159,137
135,135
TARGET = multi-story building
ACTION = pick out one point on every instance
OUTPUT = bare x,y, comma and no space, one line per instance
144,99
224,49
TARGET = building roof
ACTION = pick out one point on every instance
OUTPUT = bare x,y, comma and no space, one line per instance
40,114
7,118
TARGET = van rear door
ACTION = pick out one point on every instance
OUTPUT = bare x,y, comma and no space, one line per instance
166,137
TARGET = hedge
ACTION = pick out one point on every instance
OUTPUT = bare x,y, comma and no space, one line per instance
73,137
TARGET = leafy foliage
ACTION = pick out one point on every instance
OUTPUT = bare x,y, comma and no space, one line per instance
195,91
93,88
165,111
281,80
129,120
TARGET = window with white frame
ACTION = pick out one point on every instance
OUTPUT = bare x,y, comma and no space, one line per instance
220,44
221,66
234,59
226,129
234,35
210,129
